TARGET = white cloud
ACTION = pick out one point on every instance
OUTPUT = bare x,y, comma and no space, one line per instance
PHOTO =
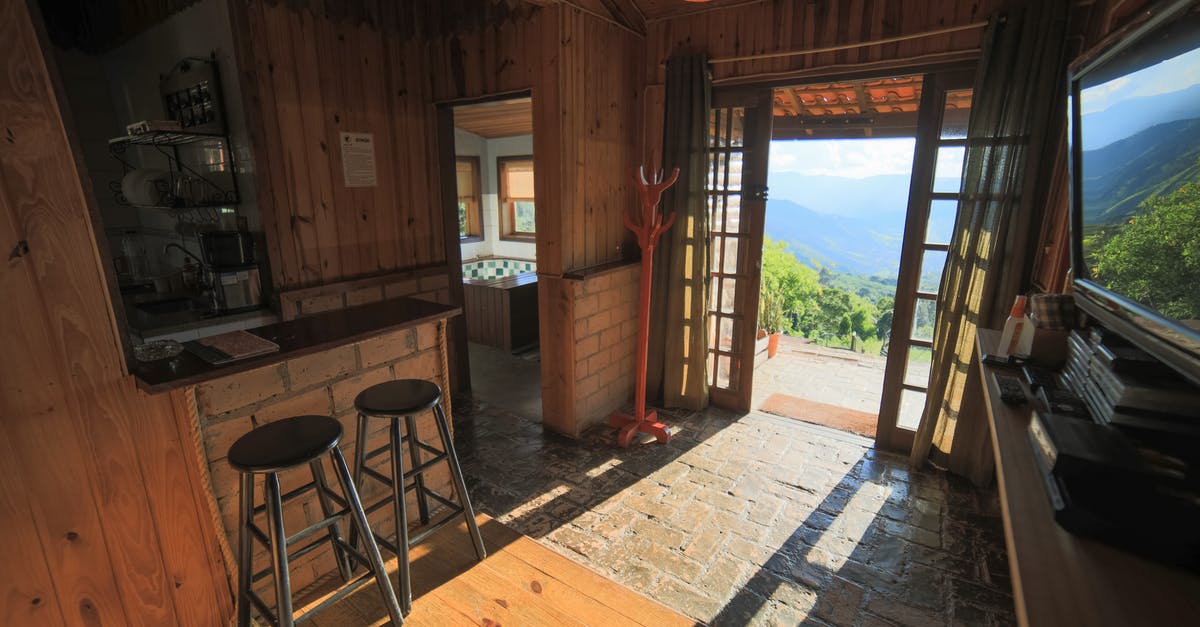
1174,74
850,158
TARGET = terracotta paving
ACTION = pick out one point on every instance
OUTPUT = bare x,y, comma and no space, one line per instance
830,375
750,519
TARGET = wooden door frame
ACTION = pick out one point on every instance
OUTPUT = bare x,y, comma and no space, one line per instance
753,216
888,434
448,182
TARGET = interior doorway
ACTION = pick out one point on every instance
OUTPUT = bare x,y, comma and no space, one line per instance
863,177
494,201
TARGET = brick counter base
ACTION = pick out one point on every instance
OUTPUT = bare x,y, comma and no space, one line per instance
323,383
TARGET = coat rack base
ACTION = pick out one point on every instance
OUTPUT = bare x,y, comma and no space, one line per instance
627,426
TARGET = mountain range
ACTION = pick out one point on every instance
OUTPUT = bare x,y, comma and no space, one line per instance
851,225
1129,117
1119,176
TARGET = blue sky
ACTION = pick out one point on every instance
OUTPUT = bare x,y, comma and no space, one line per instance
849,158
1175,74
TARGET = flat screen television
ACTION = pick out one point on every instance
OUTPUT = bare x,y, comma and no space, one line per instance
1135,172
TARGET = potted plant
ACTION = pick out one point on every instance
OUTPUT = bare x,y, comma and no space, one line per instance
770,320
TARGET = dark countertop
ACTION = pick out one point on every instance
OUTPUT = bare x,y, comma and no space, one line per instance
295,338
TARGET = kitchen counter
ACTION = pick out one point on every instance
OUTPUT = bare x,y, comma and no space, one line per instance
296,338
324,362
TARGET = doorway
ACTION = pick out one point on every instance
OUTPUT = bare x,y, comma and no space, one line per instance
845,256
493,209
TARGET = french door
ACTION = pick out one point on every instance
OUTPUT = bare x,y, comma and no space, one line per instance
932,207
736,192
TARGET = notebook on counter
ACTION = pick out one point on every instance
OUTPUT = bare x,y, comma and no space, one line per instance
232,346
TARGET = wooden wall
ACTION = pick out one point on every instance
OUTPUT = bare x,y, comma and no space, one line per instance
309,77
99,491
787,25
790,25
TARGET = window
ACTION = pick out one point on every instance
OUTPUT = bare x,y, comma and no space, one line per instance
470,214
516,197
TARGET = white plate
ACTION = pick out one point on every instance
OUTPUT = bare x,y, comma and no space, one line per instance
142,187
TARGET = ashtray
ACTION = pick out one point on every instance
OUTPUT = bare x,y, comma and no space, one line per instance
156,350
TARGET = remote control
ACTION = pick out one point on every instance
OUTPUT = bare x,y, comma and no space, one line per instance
1010,389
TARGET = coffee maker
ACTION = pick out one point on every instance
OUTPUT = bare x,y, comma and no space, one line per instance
233,272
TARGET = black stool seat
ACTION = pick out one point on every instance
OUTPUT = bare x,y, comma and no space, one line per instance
400,402
402,397
266,452
284,444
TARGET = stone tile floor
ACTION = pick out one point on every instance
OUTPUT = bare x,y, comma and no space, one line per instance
835,376
750,519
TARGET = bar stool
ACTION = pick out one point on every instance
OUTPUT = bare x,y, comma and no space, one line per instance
269,450
405,399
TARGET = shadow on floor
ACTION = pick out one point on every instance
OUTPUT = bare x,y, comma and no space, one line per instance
748,519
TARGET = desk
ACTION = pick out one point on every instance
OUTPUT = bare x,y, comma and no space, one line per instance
1059,578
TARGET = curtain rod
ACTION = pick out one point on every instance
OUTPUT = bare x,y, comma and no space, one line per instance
877,42
824,73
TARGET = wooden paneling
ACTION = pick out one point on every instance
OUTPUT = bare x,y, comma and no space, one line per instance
96,484
599,100
789,25
505,118
310,78
502,312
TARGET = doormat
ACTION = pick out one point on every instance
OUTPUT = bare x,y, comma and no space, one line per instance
824,414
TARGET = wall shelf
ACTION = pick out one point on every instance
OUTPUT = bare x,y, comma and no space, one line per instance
163,138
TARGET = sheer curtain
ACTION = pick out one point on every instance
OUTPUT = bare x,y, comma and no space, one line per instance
678,330
1016,122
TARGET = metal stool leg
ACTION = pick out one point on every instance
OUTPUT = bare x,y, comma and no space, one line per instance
245,550
360,455
279,557
460,485
334,531
359,518
401,512
414,454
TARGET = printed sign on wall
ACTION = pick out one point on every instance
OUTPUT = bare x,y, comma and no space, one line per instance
358,159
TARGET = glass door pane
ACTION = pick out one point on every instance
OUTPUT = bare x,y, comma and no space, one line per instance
735,191
723,188
929,226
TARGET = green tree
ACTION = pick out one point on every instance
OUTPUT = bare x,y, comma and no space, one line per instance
863,318
793,285
1155,258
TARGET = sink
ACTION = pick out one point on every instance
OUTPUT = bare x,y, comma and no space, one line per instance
172,305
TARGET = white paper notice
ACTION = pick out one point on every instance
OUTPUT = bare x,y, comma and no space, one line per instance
358,159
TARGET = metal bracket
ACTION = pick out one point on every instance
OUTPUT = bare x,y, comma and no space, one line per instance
755,192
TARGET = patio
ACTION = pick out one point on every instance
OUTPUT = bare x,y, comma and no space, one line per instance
832,376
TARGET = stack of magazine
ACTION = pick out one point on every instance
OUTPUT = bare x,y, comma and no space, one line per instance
1116,437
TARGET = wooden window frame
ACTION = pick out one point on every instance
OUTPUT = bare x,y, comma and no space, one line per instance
475,227
507,206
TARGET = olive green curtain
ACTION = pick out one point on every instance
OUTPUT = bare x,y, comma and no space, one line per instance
678,326
1016,123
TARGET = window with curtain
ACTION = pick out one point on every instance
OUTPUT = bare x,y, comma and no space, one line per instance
516,197
470,211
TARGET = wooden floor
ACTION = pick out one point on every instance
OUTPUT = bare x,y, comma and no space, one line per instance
520,583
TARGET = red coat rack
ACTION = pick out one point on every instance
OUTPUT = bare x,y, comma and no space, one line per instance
648,227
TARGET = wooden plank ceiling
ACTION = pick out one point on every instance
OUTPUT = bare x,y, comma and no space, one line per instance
874,108
661,9
503,118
